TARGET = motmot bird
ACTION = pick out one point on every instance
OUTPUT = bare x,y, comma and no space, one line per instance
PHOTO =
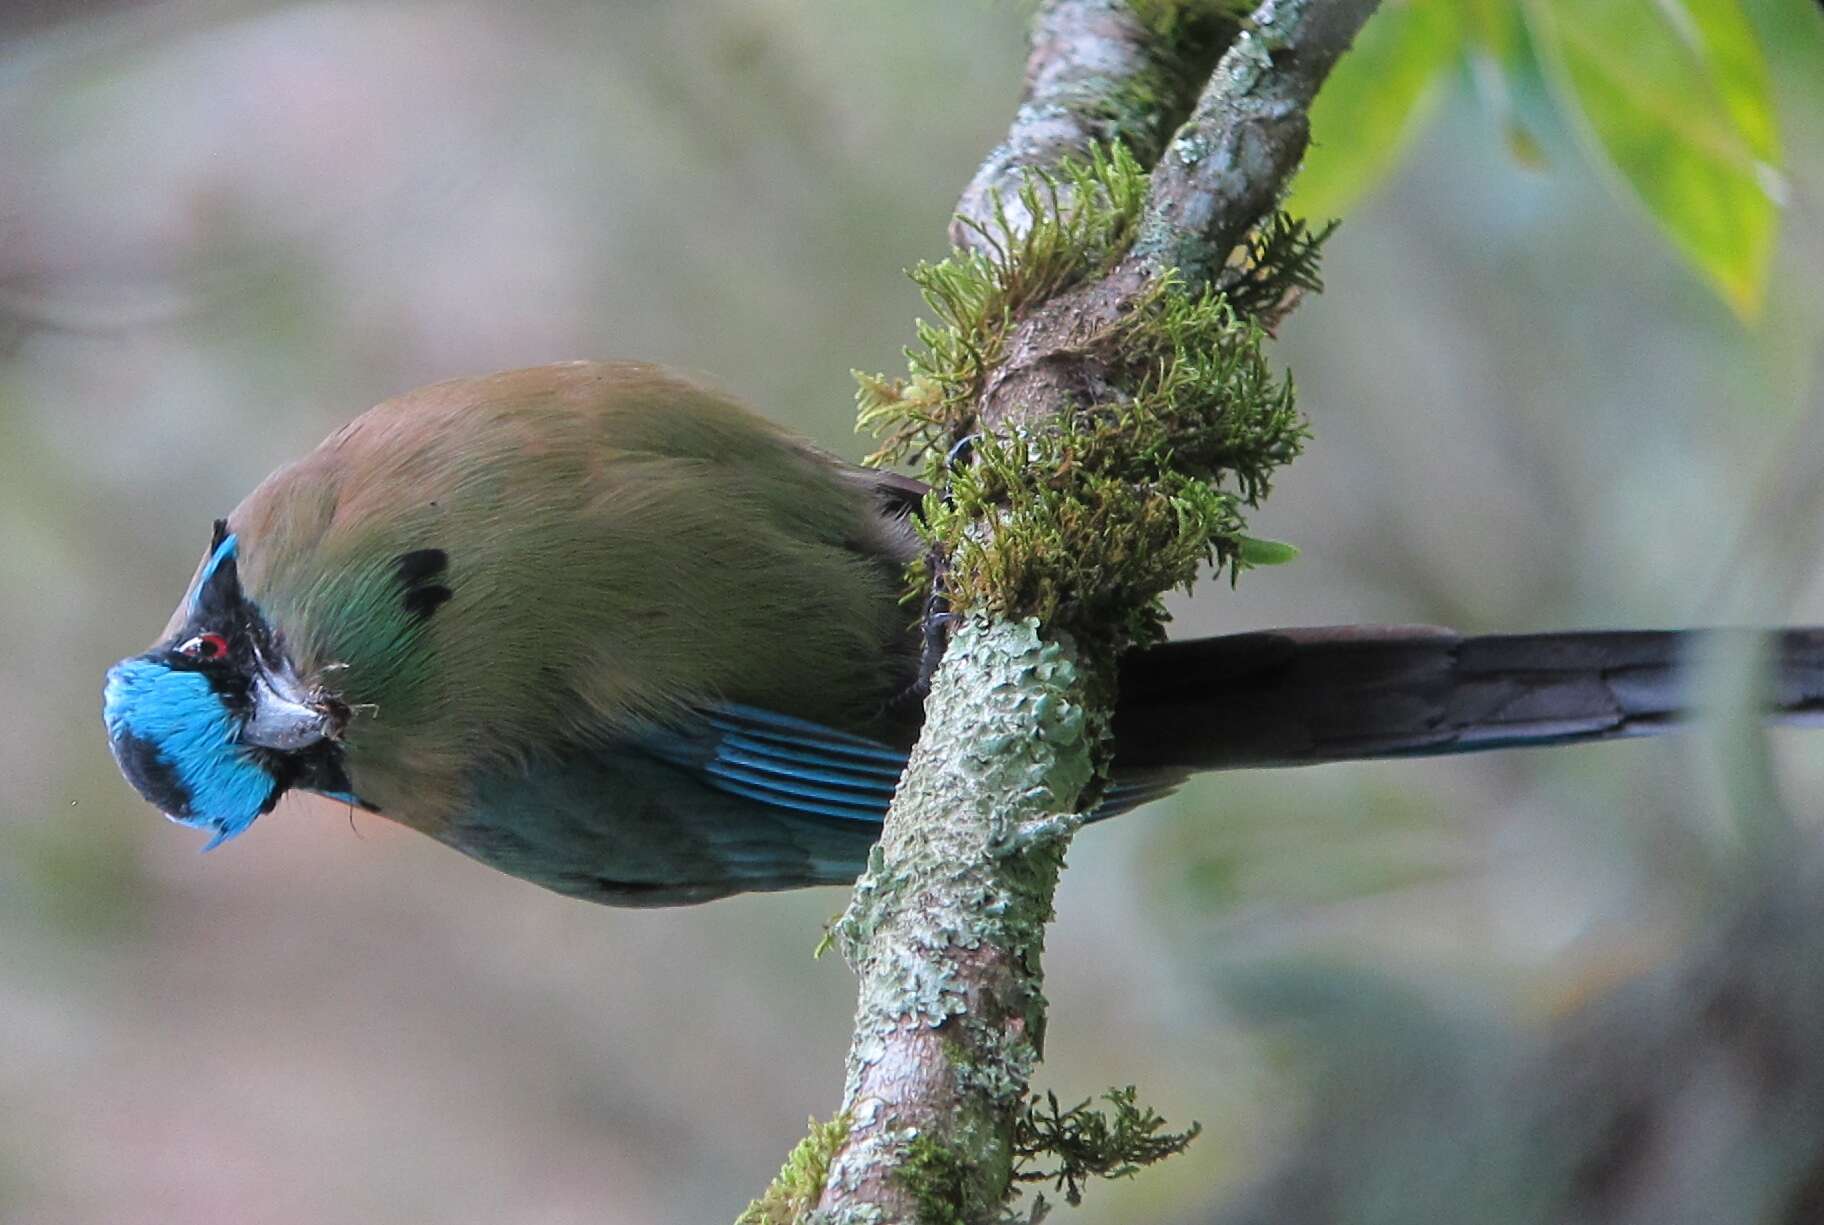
604,628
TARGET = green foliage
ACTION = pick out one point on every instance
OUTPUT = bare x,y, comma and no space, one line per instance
1675,98
799,1184
1254,551
1498,59
1373,102
1678,99
1279,264
1086,1143
1051,1144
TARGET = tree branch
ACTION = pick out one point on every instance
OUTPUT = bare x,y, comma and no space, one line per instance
1096,74
946,927
1221,174
1230,162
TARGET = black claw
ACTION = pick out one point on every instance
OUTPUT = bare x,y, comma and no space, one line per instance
959,452
936,623
938,617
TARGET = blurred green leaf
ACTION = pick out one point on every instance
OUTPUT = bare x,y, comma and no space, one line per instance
1498,56
1676,95
1372,103
1493,28
1257,552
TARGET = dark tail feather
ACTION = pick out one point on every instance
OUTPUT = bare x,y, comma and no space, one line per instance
1300,697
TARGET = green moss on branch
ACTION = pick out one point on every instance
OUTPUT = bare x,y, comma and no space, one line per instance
1084,221
799,1183
1085,523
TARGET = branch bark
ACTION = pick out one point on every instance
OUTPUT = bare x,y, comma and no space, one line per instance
1229,164
1222,172
1095,74
946,927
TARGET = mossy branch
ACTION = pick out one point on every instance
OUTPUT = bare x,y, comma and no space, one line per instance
795,1189
1100,73
1121,419
1085,521
1069,224
1227,166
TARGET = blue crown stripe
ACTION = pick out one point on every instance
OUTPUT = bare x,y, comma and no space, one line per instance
223,551
179,717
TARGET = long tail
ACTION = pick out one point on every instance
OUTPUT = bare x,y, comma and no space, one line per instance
1300,697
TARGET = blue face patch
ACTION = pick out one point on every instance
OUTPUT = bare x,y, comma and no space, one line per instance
178,745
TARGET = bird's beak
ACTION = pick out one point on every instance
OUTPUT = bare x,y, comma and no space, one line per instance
286,715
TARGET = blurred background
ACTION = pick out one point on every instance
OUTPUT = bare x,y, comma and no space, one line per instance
227,227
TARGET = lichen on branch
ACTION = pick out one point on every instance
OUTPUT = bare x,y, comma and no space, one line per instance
946,927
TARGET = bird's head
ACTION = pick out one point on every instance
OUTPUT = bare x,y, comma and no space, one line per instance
212,724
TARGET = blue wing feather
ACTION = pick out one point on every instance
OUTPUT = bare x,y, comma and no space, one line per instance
795,764
789,731
784,761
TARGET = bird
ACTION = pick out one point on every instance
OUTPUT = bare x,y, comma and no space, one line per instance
603,627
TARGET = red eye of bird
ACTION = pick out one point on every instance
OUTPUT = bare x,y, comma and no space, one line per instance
205,646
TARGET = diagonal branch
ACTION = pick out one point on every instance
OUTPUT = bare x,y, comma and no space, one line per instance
1229,164
1222,173
1096,75
946,927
